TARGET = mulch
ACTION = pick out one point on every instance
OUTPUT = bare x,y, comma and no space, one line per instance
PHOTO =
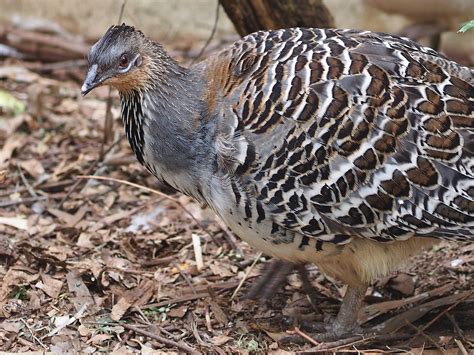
97,265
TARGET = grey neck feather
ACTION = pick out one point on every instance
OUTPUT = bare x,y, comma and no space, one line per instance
165,127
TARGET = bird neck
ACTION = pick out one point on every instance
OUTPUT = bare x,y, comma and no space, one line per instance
163,124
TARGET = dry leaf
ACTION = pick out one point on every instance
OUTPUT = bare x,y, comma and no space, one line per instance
218,312
11,326
119,309
77,286
32,167
15,222
137,296
18,73
178,312
9,146
69,219
50,286
99,338
220,339
84,331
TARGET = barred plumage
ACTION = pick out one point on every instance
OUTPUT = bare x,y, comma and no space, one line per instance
349,149
350,134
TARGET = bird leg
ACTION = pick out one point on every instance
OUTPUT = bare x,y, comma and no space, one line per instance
308,288
346,319
345,323
275,275
272,279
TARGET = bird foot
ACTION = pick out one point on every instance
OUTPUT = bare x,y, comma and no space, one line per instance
322,332
273,279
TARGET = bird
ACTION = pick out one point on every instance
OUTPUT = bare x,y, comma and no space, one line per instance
348,149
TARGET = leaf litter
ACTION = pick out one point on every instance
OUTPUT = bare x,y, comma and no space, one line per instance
93,265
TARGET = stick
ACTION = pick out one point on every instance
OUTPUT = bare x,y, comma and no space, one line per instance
247,273
181,345
213,32
109,121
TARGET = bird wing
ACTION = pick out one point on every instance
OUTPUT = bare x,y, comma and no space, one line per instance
342,133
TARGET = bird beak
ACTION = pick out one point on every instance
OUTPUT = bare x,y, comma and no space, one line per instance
91,81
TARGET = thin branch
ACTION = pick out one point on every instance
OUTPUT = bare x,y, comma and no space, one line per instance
211,36
185,277
179,345
108,121
247,273
122,9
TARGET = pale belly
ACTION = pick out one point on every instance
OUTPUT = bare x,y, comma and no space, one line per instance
357,262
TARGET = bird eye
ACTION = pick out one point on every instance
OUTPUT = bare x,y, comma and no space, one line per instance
123,63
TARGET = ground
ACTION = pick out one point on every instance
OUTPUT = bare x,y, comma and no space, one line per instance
96,265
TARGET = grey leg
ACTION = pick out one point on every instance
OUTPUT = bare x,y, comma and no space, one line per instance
272,279
346,319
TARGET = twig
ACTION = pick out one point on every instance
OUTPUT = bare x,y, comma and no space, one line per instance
108,121
422,333
458,330
299,332
156,192
229,237
185,277
461,346
337,344
158,261
213,32
180,345
247,273
446,310
122,9
26,200
30,189
201,294
33,336
430,323
66,64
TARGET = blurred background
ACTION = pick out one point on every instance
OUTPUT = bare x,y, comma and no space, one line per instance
183,23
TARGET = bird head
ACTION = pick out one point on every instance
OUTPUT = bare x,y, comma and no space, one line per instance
118,59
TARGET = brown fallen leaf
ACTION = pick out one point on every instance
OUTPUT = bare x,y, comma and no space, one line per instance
98,338
218,312
32,167
220,339
3,176
119,309
15,222
15,278
79,288
11,326
50,286
9,147
69,219
178,312
136,297
6,251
